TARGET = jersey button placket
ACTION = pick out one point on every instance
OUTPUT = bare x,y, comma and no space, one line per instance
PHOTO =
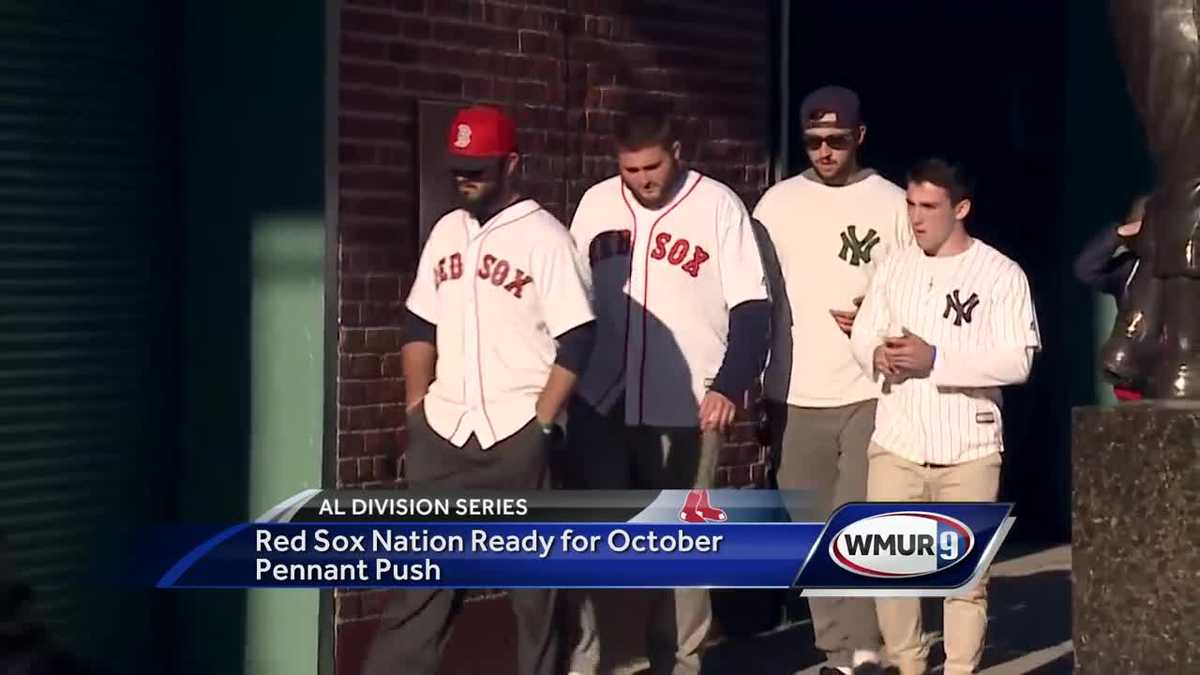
472,348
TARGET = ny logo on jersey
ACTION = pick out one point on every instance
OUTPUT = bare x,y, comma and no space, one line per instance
962,310
490,268
856,251
678,253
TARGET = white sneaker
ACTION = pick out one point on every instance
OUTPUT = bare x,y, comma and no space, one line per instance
862,656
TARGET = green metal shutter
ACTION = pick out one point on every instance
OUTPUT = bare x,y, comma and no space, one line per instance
85,243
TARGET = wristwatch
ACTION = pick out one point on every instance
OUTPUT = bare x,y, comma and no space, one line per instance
551,432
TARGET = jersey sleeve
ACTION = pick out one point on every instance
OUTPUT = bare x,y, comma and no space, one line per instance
1014,320
770,260
740,264
762,210
873,319
904,233
582,232
422,297
579,224
562,285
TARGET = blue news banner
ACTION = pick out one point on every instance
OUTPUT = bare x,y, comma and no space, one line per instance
600,539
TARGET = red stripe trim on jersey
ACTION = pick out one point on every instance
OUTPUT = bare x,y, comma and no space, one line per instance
460,417
478,337
646,297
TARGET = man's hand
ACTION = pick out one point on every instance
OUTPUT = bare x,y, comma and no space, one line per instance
844,319
716,412
1130,229
909,355
544,417
419,362
554,395
883,363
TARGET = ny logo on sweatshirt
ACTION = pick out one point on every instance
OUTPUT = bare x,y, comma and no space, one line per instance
962,310
857,251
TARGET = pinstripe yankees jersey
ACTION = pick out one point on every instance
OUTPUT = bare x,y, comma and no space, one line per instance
975,308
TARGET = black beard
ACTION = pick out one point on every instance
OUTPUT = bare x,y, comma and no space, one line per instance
485,206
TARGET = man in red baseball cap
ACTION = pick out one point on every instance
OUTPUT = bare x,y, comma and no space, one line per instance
498,323
482,155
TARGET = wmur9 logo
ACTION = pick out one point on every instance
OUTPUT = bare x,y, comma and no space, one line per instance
901,545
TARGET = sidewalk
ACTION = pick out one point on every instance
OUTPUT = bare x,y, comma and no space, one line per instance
1029,631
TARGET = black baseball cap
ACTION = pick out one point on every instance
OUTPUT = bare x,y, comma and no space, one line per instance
840,102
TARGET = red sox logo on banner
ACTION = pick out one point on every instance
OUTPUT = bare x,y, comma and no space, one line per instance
697,509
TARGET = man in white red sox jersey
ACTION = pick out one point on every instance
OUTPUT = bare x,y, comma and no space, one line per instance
682,320
944,326
498,325
830,227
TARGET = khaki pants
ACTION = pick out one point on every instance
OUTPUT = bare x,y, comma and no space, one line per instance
604,454
824,451
892,478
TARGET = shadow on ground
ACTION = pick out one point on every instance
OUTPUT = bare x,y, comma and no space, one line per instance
1028,614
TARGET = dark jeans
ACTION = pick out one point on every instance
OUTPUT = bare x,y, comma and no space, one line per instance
416,623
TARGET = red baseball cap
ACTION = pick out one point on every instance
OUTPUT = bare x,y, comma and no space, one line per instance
478,136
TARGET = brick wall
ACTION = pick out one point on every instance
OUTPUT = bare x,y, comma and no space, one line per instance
562,67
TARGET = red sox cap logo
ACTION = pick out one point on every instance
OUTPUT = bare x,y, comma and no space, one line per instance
463,136
697,509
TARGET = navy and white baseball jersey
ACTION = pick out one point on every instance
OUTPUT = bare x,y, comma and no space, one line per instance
499,292
975,308
663,283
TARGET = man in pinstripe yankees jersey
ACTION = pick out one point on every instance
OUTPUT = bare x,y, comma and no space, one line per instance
945,325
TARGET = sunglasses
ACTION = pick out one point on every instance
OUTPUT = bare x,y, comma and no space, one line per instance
468,175
835,141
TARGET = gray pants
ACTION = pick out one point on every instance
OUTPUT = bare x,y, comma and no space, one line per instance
605,454
416,623
824,451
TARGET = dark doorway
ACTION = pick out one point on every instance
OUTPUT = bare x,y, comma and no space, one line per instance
982,83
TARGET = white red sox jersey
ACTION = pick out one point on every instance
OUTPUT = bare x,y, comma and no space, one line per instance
663,283
976,310
829,241
499,294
